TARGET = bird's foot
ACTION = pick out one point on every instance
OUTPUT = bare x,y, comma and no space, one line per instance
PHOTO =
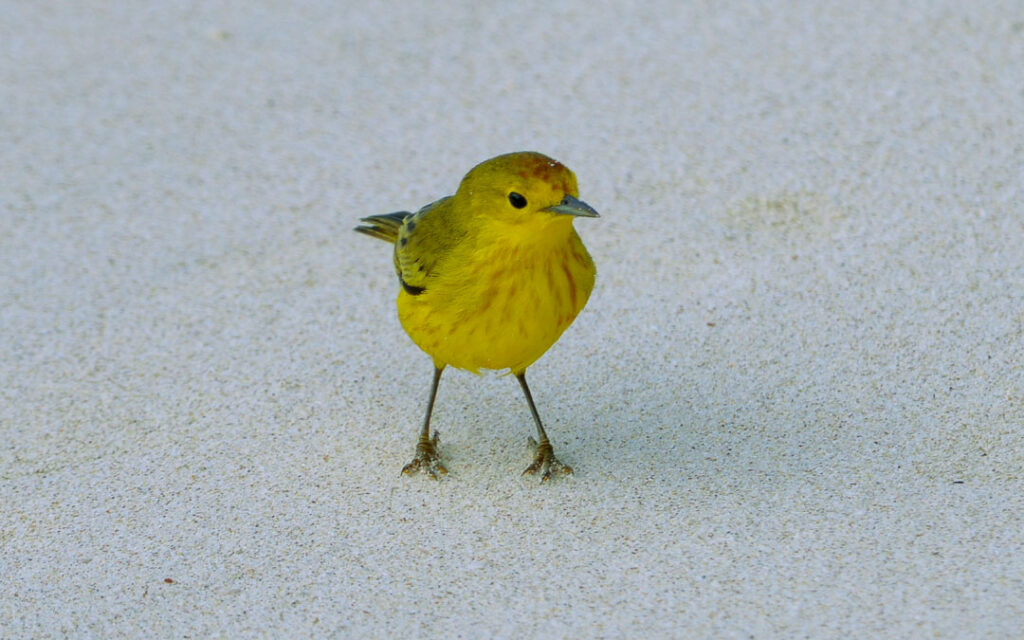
545,462
426,460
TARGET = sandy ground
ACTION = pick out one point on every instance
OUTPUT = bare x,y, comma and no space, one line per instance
795,402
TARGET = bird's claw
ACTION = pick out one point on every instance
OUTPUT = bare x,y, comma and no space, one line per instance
545,462
426,460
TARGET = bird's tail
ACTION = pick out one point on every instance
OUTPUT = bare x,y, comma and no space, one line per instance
384,226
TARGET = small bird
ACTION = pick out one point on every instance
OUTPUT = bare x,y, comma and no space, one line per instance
490,278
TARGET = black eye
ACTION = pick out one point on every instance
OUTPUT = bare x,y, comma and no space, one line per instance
517,200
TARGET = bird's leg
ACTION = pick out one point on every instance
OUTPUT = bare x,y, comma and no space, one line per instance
544,459
426,459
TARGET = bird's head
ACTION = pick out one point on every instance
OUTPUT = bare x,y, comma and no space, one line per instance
522,189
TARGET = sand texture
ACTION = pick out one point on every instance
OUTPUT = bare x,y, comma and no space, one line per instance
794,403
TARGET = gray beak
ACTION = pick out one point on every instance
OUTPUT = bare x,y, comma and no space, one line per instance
570,206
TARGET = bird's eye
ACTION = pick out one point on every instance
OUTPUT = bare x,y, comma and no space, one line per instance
517,200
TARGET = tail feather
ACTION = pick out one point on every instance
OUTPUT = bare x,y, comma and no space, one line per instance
384,226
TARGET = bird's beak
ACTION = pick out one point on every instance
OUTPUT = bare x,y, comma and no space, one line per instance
570,206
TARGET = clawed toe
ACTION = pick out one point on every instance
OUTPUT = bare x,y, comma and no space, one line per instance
426,460
545,462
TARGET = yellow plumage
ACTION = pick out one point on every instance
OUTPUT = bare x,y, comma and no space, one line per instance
491,276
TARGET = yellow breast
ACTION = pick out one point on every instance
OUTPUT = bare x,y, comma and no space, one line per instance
505,305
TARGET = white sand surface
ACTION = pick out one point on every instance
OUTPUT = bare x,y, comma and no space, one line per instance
795,402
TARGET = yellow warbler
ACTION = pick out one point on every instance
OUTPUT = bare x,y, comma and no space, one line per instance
491,277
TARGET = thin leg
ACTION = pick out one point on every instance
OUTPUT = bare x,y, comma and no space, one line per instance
426,459
425,431
544,459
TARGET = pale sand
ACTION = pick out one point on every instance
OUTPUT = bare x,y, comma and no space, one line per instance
794,404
